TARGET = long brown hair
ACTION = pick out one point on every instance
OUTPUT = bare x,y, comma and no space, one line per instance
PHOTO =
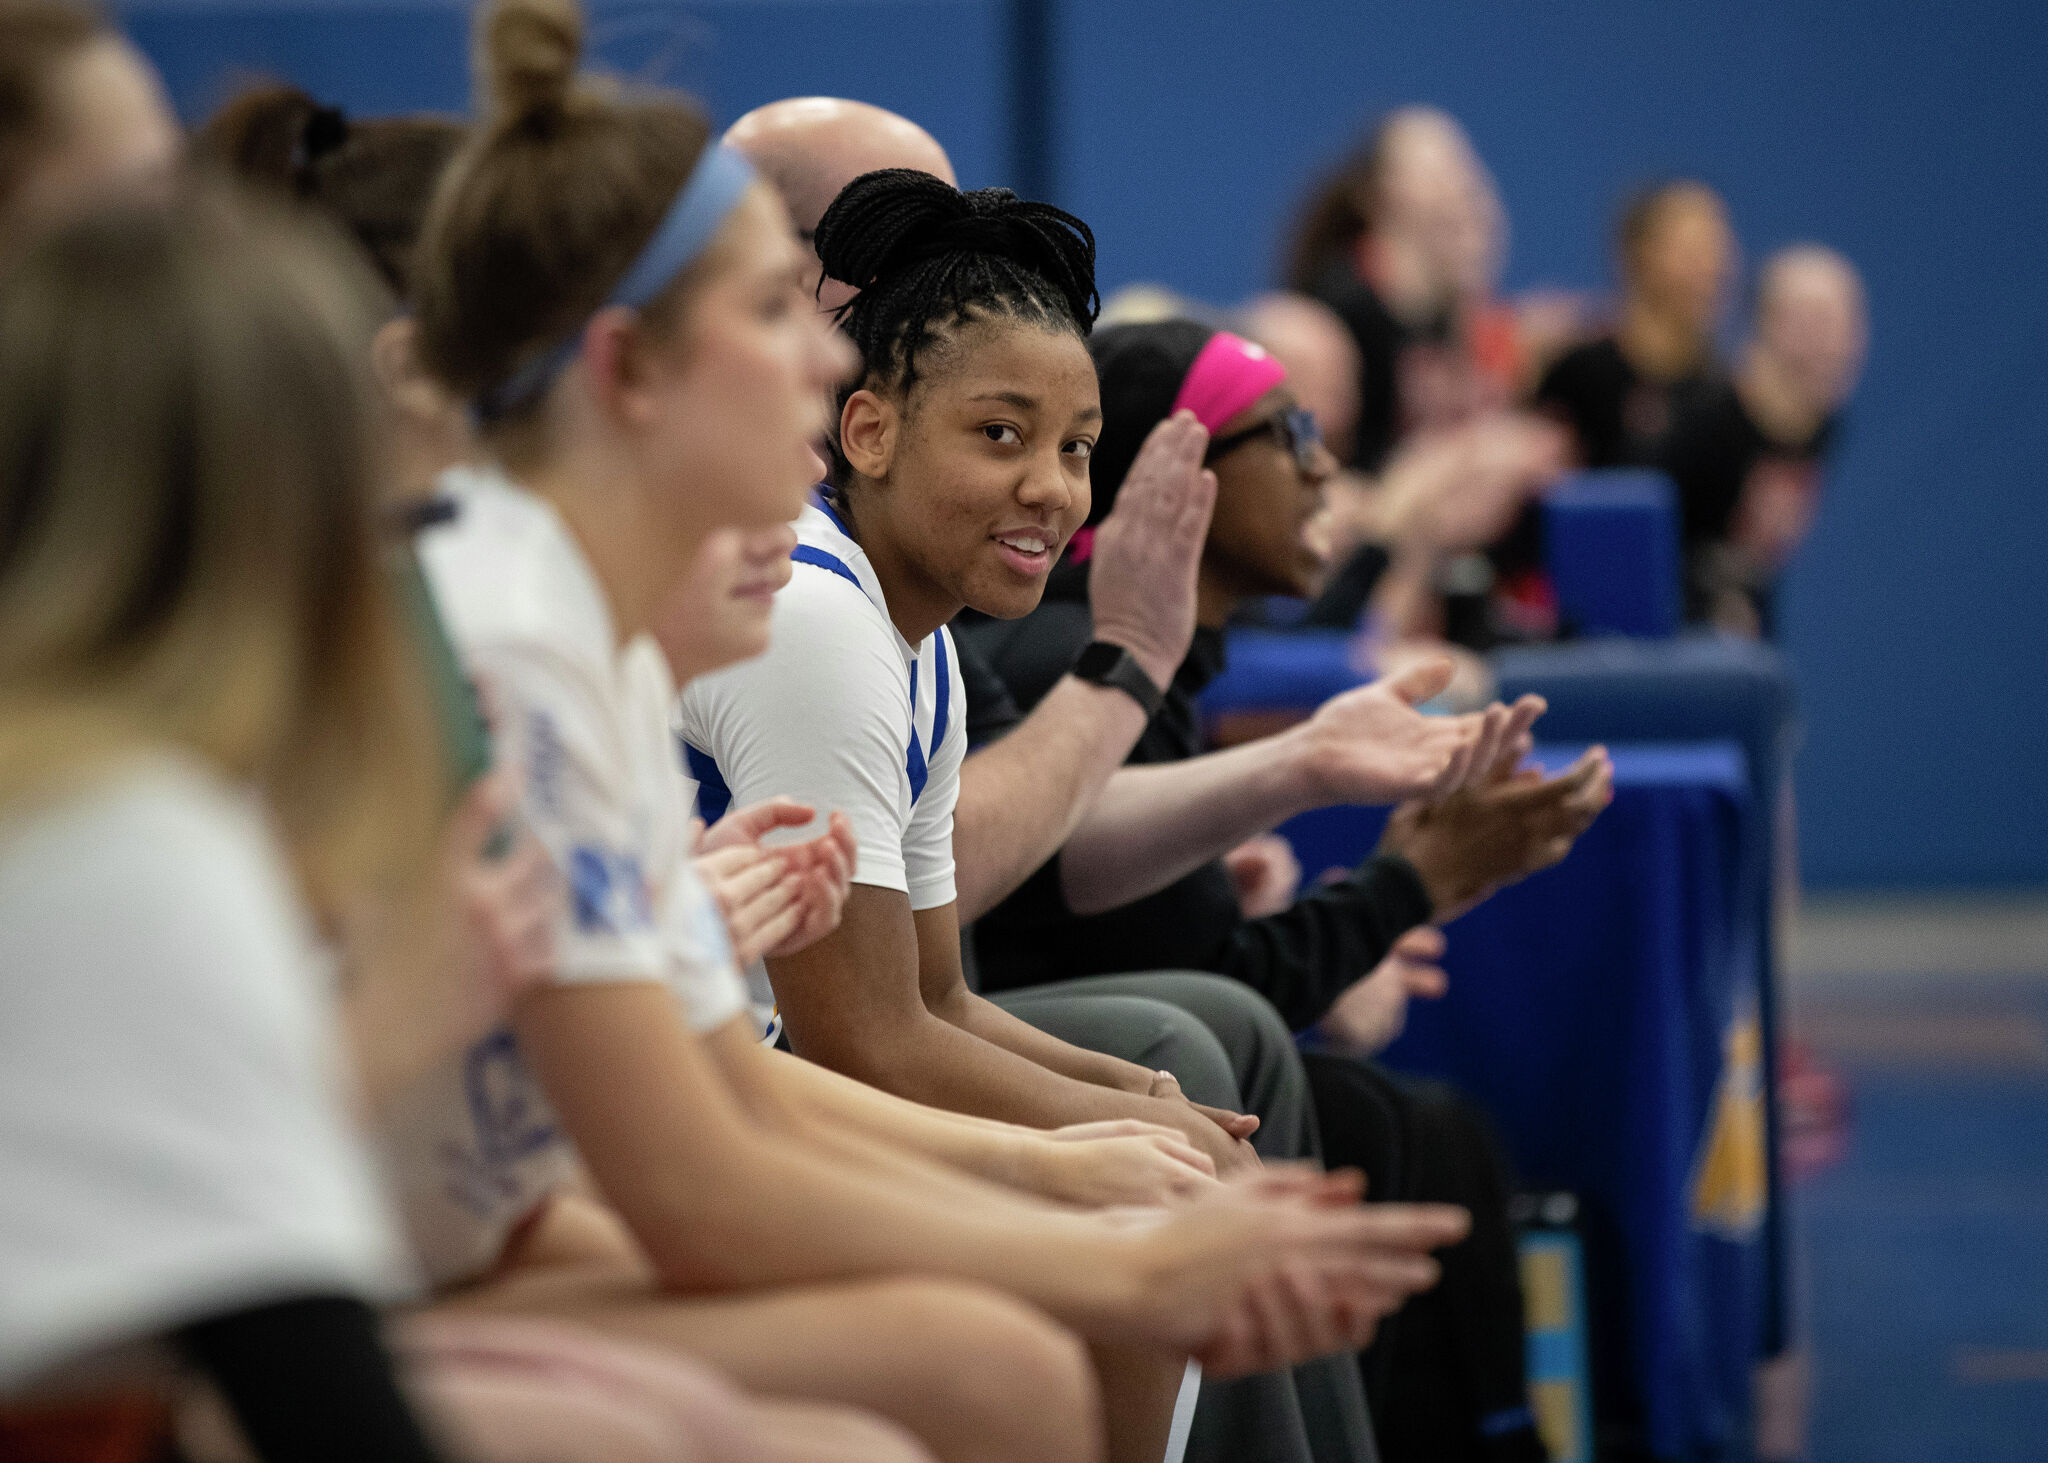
1337,215
540,216
374,177
190,547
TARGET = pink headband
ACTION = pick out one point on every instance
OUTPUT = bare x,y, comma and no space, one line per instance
1229,375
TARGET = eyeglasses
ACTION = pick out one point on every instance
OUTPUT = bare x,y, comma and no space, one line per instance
1294,429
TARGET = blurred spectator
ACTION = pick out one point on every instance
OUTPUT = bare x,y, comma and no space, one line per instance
82,114
1400,242
210,716
1405,243
1748,457
1621,392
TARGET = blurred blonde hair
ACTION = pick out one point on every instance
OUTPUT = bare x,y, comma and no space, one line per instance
190,545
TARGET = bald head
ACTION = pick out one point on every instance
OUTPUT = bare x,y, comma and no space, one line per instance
1321,358
811,147
1811,321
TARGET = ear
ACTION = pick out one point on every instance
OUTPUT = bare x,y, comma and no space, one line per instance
868,426
616,365
395,361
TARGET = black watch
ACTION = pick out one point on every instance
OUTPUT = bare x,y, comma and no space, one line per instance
1104,664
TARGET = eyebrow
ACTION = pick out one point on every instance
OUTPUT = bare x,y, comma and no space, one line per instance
1009,398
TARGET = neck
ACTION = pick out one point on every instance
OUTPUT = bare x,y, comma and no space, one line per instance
1658,343
915,605
633,555
1774,401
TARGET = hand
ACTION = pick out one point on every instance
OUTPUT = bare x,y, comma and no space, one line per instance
1266,874
1117,1163
1222,1135
507,907
821,870
1370,745
1498,832
1286,1265
1141,577
1371,1012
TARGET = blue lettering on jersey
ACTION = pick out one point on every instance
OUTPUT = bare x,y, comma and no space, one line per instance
609,890
506,1111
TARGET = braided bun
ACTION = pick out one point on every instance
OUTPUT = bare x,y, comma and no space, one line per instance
884,223
527,52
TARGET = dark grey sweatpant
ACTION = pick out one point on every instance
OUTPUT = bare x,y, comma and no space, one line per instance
1229,1048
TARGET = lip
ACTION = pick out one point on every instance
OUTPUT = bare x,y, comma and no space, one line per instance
1013,544
760,590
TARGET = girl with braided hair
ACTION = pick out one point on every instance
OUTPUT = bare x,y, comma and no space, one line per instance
962,456
620,302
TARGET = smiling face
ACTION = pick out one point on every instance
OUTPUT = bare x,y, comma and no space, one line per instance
1258,542
968,488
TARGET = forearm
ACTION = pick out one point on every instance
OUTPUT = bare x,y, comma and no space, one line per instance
991,1150
1154,824
1021,798
796,1211
985,1019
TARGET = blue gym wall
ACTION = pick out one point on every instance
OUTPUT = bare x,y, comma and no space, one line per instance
1912,136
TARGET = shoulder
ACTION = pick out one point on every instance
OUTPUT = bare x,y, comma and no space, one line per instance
161,822
1581,367
506,573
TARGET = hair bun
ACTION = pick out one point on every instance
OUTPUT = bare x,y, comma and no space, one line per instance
527,54
885,222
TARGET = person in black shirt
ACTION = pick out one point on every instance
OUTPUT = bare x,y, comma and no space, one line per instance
1438,860
1621,392
1747,457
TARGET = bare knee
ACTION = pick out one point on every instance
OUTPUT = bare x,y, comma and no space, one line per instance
1004,1382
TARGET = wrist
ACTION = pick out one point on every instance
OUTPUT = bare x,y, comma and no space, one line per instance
1158,662
1301,780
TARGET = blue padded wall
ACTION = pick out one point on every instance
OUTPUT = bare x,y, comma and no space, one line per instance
1909,135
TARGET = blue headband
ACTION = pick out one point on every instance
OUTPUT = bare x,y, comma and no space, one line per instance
713,189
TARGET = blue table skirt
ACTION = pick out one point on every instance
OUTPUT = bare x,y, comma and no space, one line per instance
1606,1013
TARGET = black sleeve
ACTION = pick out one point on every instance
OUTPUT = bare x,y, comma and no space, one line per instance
310,1381
1342,603
1304,956
992,712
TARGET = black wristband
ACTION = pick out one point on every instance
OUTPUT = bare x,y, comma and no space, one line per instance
1104,664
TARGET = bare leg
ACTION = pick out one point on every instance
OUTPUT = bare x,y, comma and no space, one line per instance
976,1375
514,1390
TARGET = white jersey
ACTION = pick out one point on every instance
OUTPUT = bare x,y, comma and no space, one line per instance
175,1137
843,714
587,726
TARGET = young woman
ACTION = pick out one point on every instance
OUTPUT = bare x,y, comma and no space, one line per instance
1621,393
504,1387
209,729
621,303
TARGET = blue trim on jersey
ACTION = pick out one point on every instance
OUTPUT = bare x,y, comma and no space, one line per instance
714,797
945,695
830,563
914,764
824,506
913,761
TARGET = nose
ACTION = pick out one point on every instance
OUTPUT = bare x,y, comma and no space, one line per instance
1045,486
1322,465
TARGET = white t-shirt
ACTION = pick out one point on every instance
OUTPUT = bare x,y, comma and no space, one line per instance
175,1136
587,724
844,714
